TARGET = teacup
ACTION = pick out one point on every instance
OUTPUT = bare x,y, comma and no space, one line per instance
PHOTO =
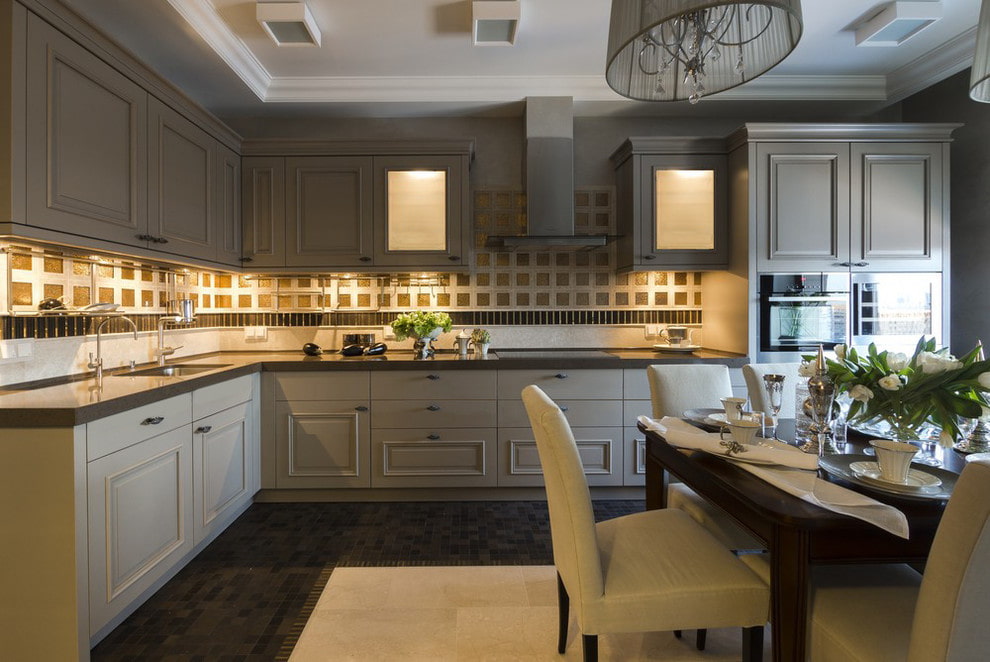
743,430
894,458
733,408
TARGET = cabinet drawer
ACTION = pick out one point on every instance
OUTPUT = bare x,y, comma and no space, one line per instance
519,460
579,413
633,409
321,386
424,458
113,433
423,384
433,413
211,399
579,384
635,384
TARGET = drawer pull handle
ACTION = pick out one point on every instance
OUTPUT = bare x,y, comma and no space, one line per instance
365,258
861,264
360,408
153,420
561,375
433,378
204,429
433,437
562,408
434,407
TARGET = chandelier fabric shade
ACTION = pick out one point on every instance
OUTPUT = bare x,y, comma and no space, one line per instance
672,50
979,80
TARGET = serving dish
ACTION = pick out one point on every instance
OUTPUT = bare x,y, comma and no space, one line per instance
664,347
839,466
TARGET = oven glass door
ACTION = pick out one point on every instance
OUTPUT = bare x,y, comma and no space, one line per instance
799,312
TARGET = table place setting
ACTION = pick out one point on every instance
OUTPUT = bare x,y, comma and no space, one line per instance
785,467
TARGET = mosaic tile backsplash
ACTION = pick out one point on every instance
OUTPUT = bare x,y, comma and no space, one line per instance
538,287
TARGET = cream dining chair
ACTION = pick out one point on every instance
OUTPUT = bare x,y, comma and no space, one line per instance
890,613
652,571
753,374
675,388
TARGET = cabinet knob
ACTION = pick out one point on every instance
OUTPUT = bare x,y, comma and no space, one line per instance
454,258
365,258
434,407
360,408
144,237
203,429
563,408
649,257
246,259
861,264
159,240
433,437
433,378
561,375
843,264
153,420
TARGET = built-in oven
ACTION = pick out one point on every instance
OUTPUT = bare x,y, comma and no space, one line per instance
799,312
894,310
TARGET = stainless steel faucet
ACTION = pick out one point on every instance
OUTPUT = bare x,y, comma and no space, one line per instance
97,363
175,320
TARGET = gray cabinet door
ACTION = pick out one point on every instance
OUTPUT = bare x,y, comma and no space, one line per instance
802,202
86,142
181,174
328,211
322,444
897,207
228,207
263,211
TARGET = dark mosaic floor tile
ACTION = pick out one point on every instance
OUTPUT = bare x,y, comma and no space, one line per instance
246,597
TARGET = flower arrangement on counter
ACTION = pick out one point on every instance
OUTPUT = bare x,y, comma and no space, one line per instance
930,387
481,336
421,324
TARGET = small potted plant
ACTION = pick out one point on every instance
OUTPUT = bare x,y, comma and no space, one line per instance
481,339
424,326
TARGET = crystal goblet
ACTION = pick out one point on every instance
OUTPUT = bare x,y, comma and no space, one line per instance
774,385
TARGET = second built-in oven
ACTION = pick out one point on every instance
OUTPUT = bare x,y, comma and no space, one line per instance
799,312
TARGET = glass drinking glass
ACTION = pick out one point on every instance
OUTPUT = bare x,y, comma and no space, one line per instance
774,385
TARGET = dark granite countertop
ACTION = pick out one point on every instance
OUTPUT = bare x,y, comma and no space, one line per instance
74,401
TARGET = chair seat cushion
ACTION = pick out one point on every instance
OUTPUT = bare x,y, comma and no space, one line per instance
718,522
663,571
862,612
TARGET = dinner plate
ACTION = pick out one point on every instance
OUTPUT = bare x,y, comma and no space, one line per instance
702,416
838,466
978,457
916,480
676,348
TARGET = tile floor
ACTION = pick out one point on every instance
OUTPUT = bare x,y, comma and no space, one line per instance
248,595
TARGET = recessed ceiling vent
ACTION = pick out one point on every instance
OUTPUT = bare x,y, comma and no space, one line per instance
495,22
897,22
289,23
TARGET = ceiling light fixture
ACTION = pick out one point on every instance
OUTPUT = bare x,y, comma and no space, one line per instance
897,22
495,22
979,80
671,50
288,23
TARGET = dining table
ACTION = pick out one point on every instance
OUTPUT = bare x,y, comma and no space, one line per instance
797,534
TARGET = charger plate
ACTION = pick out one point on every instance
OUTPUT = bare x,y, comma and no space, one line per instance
839,467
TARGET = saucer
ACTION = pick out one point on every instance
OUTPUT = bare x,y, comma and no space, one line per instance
916,480
718,418
676,348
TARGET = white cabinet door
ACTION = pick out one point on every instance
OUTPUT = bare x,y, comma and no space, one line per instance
224,468
322,444
140,520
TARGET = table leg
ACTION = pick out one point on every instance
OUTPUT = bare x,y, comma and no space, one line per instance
789,577
656,484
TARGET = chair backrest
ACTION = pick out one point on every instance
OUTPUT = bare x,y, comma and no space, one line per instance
572,519
950,616
753,374
677,387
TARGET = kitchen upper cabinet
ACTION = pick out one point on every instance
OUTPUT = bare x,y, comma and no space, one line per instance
370,207
328,211
672,204
86,142
182,175
875,200
228,207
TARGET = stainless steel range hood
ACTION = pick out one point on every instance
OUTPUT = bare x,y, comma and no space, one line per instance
549,180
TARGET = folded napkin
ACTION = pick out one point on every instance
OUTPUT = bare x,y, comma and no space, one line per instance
684,435
793,474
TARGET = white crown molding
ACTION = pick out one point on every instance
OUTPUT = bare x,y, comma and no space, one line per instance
951,57
772,87
202,17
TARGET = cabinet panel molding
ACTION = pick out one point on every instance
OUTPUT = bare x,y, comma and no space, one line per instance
223,455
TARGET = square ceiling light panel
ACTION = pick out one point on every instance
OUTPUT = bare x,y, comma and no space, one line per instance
288,23
897,22
495,22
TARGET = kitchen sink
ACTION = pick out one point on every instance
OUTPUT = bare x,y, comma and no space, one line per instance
173,370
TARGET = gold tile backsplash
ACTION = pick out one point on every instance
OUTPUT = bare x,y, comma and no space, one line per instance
531,280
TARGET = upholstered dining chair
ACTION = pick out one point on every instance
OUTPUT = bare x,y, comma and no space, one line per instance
675,388
891,613
652,571
753,374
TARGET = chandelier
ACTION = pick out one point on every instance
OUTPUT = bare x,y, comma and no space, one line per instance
671,50
979,80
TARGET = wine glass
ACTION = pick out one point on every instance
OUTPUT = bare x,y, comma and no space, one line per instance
774,385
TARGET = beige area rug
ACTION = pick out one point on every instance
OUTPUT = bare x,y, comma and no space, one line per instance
470,613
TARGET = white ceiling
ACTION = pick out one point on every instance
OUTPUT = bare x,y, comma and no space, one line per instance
400,58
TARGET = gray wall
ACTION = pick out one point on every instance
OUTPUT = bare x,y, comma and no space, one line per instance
949,101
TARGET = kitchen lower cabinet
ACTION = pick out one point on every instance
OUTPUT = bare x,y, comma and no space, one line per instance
434,457
633,457
600,450
140,520
322,444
